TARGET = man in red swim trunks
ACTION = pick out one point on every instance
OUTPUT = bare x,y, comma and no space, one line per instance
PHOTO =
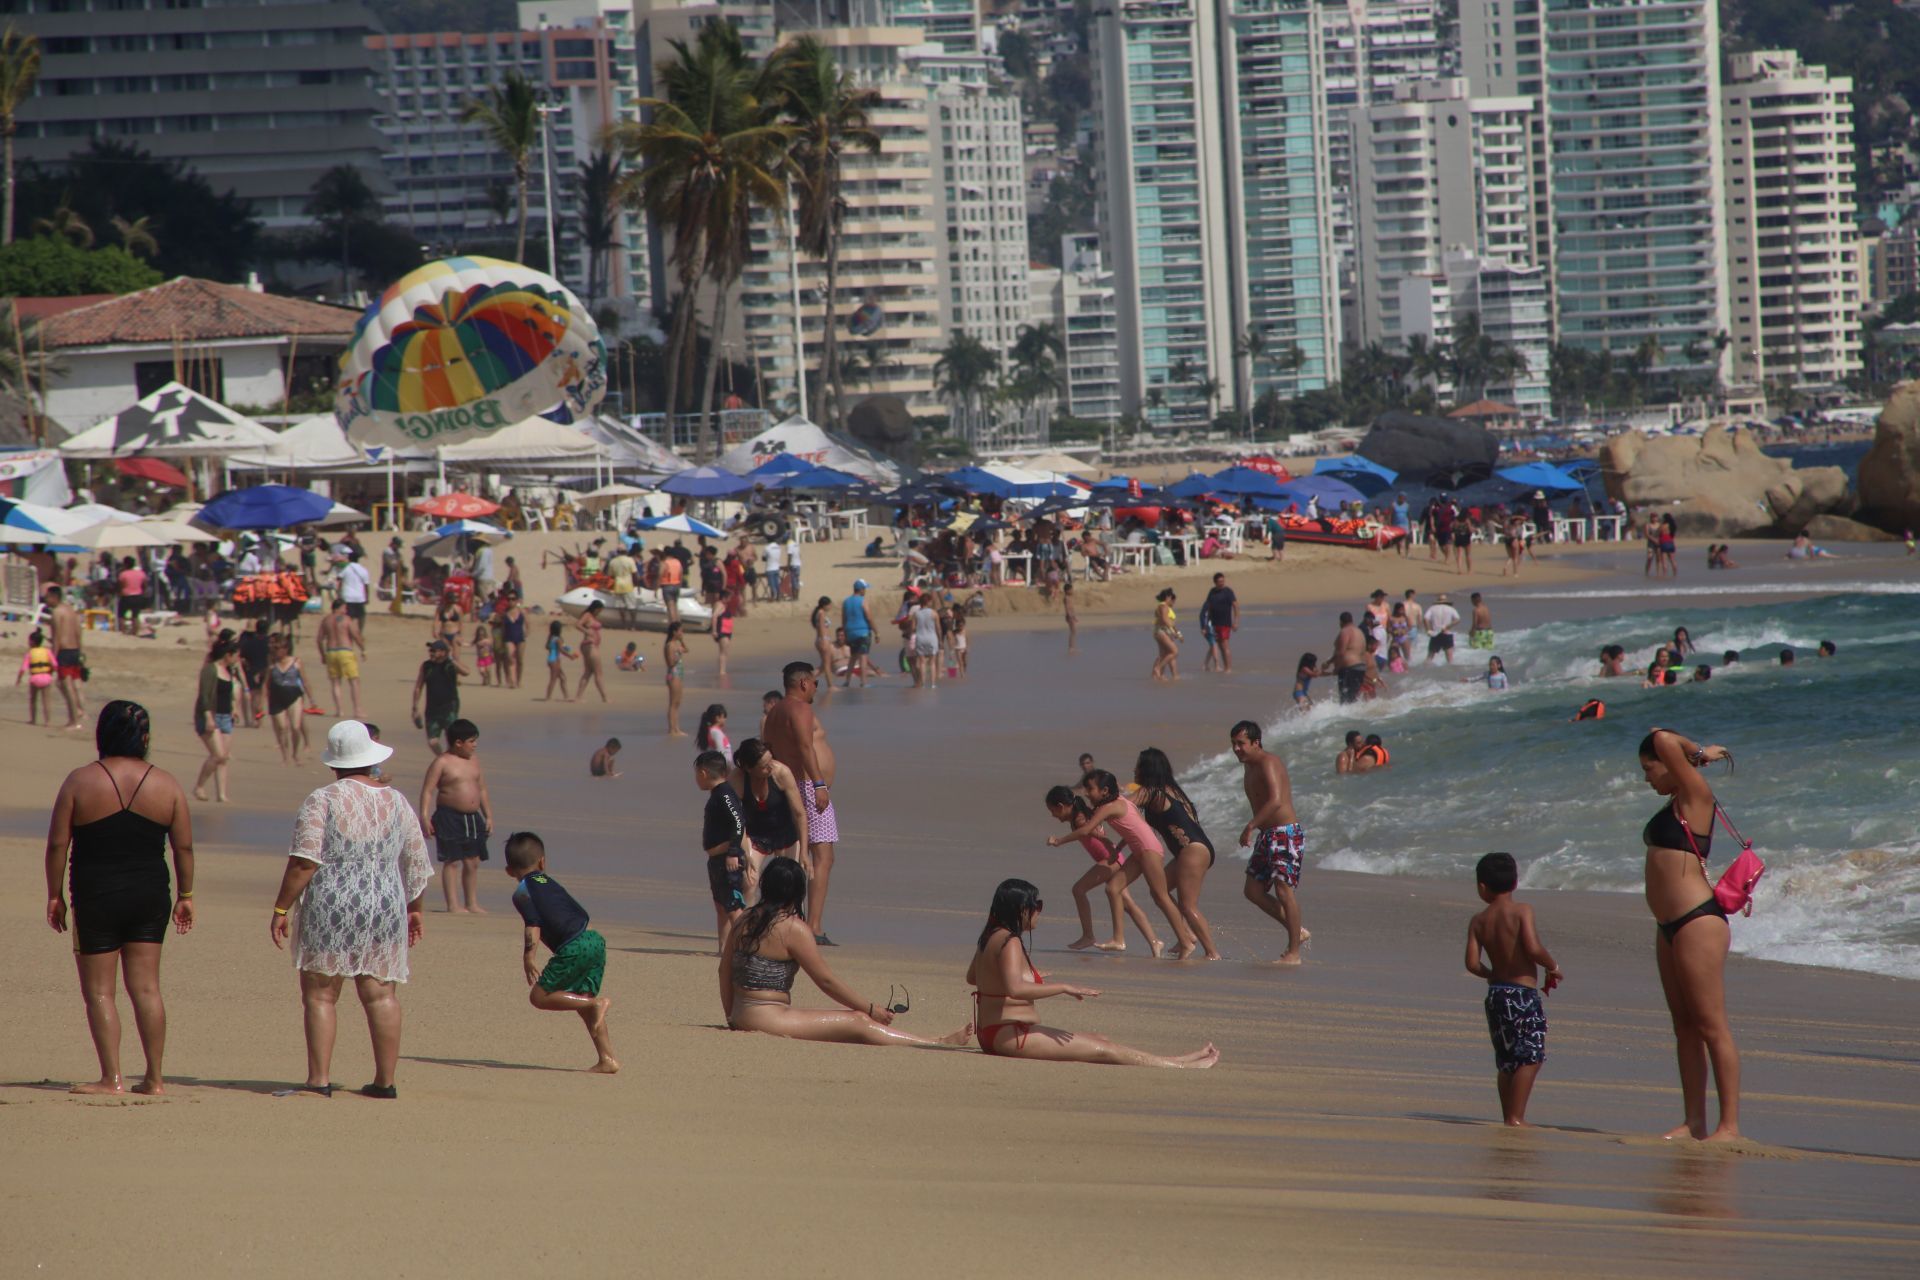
63,621
1219,615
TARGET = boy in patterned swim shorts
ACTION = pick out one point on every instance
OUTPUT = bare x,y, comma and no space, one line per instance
1513,956
1275,834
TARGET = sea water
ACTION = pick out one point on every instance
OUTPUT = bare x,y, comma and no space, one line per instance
1826,780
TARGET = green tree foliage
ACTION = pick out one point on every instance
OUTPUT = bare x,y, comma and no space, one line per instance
198,231
1016,51
50,267
508,114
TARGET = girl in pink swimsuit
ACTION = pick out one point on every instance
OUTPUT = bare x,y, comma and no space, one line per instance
1114,809
1107,871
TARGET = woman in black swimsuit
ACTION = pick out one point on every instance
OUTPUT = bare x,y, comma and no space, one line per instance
775,813
116,816
1169,812
1691,945
513,641
287,699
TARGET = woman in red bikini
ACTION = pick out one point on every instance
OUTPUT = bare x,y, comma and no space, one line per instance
1006,986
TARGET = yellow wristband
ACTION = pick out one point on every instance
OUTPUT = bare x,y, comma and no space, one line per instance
279,911
186,893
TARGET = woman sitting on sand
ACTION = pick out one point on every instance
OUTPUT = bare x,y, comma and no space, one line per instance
1692,944
763,950
117,815
1006,986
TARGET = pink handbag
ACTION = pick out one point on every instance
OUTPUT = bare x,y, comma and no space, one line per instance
1734,892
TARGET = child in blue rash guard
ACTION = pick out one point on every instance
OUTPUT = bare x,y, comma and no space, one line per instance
570,982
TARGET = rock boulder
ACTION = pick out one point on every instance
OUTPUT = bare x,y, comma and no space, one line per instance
1719,485
1890,473
1841,529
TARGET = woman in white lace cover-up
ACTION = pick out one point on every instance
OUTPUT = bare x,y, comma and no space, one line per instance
350,899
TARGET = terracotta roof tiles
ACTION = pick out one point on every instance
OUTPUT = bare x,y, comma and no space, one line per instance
188,310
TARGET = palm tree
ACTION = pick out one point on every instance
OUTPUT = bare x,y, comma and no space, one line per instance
711,153
830,115
67,225
599,186
509,115
965,370
1251,347
1209,389
341,196
19,68
1155,399
136,237
1036,353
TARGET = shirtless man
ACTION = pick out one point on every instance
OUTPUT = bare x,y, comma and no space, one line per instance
457,814
1416,616
799,741
63,621
1343,763
1275,834
341,648
1349,660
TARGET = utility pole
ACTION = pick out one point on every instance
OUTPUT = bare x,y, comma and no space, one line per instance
546,172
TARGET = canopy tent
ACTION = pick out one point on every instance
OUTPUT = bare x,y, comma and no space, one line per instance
312,444
811,443
34,475
536,440
977,480
705,482
1543,476
818,478
1124,483
1367,476
173,422
96,512
631,449
265,506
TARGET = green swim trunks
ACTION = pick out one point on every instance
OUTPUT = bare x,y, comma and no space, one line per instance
438,719
578,966
1482,639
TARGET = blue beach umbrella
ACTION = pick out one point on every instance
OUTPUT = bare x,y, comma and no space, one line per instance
780,464
817,478
1363,474
1194,486
265,506
1246,482
1543,476
979,480
1331,492
705,482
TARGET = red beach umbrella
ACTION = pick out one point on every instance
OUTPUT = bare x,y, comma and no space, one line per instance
151,469
456,506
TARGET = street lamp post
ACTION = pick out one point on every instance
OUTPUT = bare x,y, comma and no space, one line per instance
546,172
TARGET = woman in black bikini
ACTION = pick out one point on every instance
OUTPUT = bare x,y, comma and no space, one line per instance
117,816
513,641
1006,986
764,949
776,815
1691,946
1171,813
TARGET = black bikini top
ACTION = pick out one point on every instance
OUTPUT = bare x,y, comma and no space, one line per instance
1664,831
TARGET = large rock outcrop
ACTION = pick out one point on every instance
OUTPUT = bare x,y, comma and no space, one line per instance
1840,529
1442,452
1720,485
1890,473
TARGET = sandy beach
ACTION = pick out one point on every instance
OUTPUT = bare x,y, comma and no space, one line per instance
1350,1129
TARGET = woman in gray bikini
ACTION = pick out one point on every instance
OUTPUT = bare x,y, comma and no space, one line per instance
773,941
1691,946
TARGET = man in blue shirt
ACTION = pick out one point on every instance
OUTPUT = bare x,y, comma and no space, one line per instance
858,625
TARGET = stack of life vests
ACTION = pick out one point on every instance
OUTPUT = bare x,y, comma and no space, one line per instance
271,588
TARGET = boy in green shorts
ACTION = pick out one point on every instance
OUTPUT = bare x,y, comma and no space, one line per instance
571,981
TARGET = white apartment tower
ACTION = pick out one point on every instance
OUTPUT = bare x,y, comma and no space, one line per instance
1090,329
1632,92
889,305
1793,243
1509,305
979,190
1216,207
1442,171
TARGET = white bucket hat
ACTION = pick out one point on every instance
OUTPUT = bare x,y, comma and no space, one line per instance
350,746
